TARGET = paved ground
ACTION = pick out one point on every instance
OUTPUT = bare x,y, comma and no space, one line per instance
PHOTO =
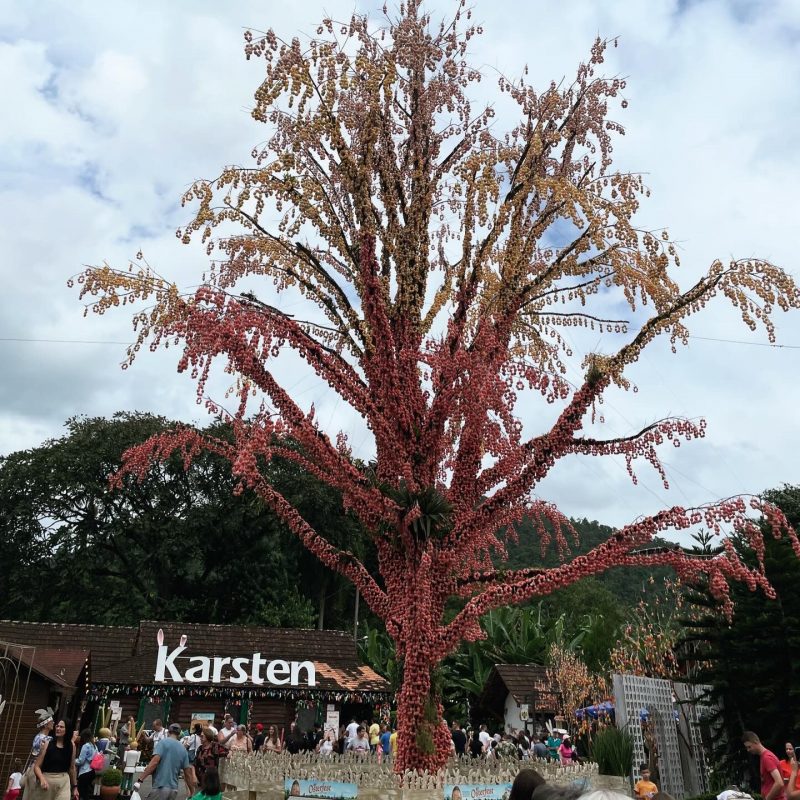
146,786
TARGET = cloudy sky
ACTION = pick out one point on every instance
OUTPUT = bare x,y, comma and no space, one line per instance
111,109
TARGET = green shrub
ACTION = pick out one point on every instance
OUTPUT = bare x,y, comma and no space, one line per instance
612,749
111,777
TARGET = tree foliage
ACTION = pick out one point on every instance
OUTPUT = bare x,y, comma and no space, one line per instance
440,260
751,662
179,544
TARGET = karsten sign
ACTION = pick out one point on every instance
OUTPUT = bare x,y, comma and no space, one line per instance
203,669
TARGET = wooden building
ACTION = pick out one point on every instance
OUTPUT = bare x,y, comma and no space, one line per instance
180,672
518,696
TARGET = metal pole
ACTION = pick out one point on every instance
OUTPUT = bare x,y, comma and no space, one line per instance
355,618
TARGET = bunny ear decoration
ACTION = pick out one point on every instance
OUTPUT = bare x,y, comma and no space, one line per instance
44,715
160,637
549,727
184,639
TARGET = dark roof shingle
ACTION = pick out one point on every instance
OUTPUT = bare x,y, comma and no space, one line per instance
129,655
526,683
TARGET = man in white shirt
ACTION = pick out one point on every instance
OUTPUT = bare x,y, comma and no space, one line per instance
158,732
352,731
361,743
227,732
486,740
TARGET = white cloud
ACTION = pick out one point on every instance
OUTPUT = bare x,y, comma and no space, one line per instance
109,116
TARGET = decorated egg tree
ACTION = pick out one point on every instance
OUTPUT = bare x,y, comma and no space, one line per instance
440,260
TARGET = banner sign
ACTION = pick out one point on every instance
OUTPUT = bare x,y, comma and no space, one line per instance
477,791
313,790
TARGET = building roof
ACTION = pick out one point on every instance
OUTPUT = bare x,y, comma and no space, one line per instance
523,680
62,667
128,655
526,683
291,644
107,644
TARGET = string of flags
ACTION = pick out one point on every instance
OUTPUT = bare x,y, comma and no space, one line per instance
302,697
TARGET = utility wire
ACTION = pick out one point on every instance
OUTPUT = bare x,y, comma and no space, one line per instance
740,341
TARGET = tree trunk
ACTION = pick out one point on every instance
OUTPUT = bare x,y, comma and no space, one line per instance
423,740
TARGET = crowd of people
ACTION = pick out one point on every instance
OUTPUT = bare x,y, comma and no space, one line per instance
65,765
779,777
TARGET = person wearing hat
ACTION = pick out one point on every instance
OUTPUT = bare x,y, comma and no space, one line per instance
258,740
169,758
44,731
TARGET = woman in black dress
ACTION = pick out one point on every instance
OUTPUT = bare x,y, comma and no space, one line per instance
55,767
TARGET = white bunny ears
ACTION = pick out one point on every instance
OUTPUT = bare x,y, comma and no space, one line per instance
160,638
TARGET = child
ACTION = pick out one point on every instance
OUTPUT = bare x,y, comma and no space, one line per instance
129,771
210,789
645,789
13,788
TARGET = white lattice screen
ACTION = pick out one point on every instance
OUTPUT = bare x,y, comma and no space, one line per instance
673,714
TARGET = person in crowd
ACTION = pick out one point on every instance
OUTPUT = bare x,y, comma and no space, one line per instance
313,737
566,752
210,789
486,739
241,742
124,734
393,743
523,745
341,740
209,754
769,766
327,745
525,783
553,743
459,739
192,742
645,789
258,740
44,730
54,767
792,785
360,744
476,745
374,736
14,786
129,762
792,780
272,744
294,739
169,758
539,749
227,731
352,730
506,748
386,740
158,733
83,764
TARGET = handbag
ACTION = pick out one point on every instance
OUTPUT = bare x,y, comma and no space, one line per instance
98,761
